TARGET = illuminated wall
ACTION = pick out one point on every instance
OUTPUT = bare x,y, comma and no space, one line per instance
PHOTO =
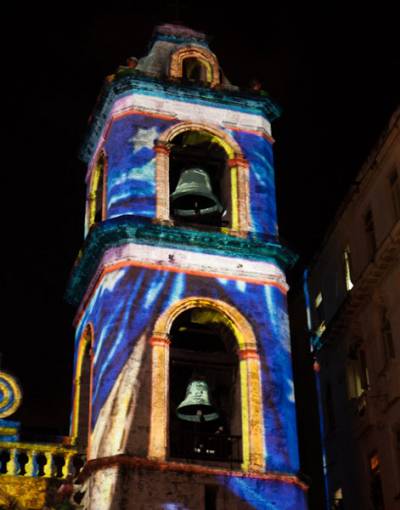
137,265
131,165
128,301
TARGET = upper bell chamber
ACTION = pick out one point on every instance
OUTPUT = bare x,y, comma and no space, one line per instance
172,140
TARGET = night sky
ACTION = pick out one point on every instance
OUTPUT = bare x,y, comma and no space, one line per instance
334,74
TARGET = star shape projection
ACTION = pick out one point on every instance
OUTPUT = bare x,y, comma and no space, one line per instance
144,138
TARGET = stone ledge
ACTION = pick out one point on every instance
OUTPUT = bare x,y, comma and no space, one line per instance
156,465
121,230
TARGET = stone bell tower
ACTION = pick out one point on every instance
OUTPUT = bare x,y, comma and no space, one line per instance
183,390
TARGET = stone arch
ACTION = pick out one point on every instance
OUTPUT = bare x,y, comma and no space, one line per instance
204,56
237,165
84,361
97,180
232,318
250,381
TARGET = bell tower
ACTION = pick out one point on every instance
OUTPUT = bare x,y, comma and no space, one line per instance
183,390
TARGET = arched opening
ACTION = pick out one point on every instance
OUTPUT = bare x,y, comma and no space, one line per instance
199,180
227,323
82,391
223,178
194,70
96,194
204,382
193,63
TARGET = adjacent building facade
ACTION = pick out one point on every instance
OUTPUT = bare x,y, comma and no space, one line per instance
353,308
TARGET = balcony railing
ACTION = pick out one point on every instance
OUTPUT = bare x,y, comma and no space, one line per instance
39,460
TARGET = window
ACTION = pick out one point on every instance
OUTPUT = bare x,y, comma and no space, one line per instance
195,64
338,499
396,433
357,372
194,70
370,233
394,184
320,314
347,268
387,337
376,482
82,390
96,194
210,497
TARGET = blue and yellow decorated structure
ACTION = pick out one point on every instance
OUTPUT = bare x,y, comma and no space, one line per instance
30,472
164,297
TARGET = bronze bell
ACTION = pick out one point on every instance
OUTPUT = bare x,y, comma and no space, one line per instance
193,195
196,406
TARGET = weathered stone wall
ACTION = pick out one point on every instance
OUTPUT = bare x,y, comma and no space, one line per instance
171,486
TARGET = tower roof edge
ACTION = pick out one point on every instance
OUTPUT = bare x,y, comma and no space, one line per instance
178,33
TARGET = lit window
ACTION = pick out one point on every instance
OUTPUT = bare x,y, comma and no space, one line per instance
357,372
321,328
375,482
347,268
338,499
370,232
395,192
96,194
318,308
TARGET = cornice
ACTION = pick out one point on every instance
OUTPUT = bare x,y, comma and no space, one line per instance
119,231
131,462
145,85
176,39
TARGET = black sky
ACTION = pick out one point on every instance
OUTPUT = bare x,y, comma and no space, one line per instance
335,74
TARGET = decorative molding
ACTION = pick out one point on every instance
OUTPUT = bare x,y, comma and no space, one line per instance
136,90
142,463
216,266
116,232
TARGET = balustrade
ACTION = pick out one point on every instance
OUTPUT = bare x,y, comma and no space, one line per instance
39,460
